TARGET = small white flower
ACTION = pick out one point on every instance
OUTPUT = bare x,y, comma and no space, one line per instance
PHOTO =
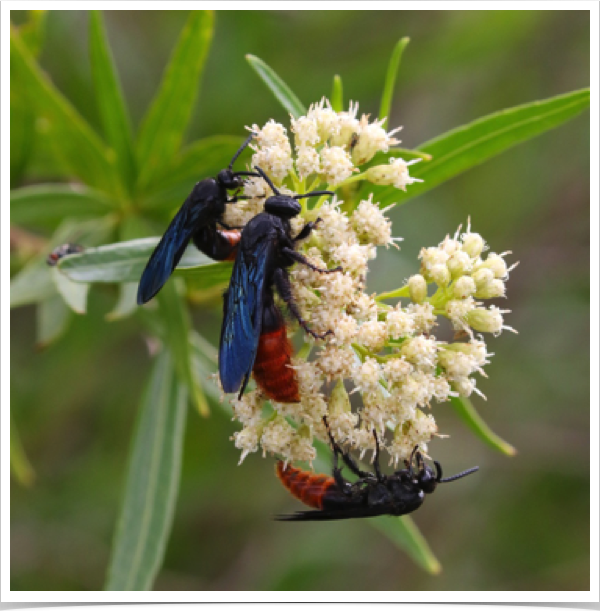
363,307
349,128
370,223
326,119
399,323
397,370
464,287
368,374
305,131
372,138
353,258
372,335
247,440
423,316
275,160
421,351
272,134
307,161
336,164
396,173
459,264
277,436
336,361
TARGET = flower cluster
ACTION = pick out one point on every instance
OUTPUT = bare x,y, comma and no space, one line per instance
388,356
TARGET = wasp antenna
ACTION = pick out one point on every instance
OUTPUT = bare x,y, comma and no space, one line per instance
267,180
438,468
314,193
412,457
459,475
239,152
255,174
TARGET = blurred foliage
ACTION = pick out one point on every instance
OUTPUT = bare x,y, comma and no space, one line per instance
75,435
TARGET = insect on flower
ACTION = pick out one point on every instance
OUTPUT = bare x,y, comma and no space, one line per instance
62,251
198,220
253,336
373,494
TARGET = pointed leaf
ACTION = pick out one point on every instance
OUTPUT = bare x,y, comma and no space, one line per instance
337,94
152,483
76,143
390,80
406,535
467,413
43,205
113,112
52,318
286,97
74,293
467,146
125,262
127,303
31,285
177,330
164,126
20,467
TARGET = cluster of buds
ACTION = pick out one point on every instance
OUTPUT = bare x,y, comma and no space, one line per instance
388,356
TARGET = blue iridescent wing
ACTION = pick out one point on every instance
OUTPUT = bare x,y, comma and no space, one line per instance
170,249
242,315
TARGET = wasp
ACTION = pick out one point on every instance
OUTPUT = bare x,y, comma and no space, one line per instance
253,335
198,219
372,494
62,251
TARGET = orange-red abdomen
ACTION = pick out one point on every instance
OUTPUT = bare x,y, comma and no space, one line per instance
272,368
233,237
305,486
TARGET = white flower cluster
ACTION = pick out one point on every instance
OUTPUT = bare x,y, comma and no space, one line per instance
387,355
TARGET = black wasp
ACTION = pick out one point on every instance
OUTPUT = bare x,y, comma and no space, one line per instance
253,336
373,494
198,219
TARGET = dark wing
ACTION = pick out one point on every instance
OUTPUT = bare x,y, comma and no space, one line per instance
170,249
333,514
242,314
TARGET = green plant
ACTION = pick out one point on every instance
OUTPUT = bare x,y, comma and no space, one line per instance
126,191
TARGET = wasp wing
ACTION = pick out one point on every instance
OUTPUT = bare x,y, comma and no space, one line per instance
333,514
242,314
170,249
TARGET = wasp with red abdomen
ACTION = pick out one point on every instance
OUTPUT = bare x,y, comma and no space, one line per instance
61,251
198,219
372,494
253,336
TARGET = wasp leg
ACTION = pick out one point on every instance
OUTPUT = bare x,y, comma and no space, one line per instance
282,282
348,460
300,258
228,227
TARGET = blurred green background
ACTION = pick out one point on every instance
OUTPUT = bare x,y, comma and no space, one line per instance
522,523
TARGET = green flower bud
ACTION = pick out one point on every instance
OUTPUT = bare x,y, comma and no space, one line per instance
417,287
464,287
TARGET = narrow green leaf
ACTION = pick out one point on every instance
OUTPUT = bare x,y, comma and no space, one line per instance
177,329
33,30
52,320
121,262
390,80
205,158
127,302
286,97
337,94
405,534
74,293
31,285
467,413
20,467
468,146
43,205
113,112
152,482
164,126
76,143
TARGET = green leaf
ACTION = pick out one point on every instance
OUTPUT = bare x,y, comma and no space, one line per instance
75,141
52,318
177,330
337,94
152,482
204,158
43,205
33,30
20,467
164,126
127,302
74,293
467,413
405,534
113,112
31,285
390,80
286,97
468,146
122,261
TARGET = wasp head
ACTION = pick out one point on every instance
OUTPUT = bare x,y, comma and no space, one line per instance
229,179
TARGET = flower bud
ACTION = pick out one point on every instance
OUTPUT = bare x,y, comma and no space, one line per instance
440,275
459,264
486,321
396,173
417,287
464,287
495,288
473,244
339,401
496,264
482,278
